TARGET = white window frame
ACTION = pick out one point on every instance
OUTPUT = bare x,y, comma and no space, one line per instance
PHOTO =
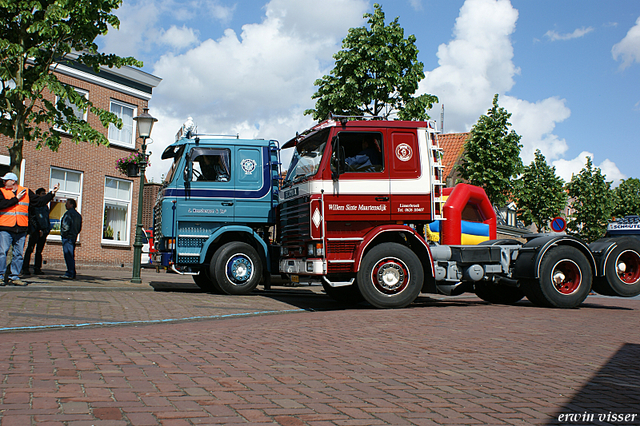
84,93
63,195
131,144
105,200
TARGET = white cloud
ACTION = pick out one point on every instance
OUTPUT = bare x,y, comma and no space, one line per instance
416,4
137,21
219,12
477,64
567,168
579,32
535,122
629,47
140,25
257,83
179,38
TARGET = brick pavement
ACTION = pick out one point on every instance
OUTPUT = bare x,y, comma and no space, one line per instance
449,361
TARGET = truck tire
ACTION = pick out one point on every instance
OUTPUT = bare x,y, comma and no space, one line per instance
237,268
622,270
204,281
348,295
390,276
565,278
498,294
531,290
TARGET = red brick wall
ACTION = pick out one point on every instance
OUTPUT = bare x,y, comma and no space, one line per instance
96,163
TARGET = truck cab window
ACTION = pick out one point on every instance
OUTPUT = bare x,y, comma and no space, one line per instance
364,152
210,165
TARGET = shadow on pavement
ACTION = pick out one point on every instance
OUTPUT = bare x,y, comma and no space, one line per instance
612,395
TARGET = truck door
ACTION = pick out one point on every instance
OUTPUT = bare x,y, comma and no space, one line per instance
409,188
209,185
362,192
252,180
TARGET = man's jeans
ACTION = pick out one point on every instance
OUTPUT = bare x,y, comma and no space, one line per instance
68,249
8,239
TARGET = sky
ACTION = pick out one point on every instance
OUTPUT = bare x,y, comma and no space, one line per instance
567,70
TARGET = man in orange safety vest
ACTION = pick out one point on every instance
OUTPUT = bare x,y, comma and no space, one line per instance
14,222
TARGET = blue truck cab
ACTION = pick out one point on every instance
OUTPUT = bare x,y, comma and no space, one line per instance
215,212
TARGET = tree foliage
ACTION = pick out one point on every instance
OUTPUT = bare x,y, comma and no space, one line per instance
540,194
36,36
592,201
627,198
376,73
491,157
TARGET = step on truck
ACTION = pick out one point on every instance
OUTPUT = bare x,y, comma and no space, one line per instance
214,213
364,211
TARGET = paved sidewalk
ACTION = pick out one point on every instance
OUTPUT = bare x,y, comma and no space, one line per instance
123,354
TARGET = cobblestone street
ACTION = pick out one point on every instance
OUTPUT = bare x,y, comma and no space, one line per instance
102,351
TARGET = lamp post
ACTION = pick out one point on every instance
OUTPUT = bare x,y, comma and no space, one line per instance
144,123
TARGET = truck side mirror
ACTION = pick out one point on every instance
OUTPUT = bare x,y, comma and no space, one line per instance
337,159
187,168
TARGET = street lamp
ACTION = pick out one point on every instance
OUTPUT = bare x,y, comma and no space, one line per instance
145,124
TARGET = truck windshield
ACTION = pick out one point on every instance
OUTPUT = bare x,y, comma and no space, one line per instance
307,157
177,154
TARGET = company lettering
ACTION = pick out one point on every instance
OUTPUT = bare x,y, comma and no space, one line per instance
410,208
208,211
613,226
358,207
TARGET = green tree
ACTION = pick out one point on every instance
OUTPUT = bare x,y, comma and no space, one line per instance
376,73
491,156
592,201
627,198
36,36
540,194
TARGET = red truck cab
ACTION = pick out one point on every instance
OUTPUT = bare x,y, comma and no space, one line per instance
352,184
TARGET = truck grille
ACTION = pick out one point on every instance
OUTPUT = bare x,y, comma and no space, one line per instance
295,222
157,221
336,247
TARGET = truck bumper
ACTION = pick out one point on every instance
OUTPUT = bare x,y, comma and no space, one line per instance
303,266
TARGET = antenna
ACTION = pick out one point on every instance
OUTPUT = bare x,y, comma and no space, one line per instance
442,120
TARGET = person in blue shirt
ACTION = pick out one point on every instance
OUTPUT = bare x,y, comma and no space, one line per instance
70,227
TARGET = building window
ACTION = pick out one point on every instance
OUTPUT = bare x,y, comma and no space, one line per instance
79,113
70,187
125,136
117,210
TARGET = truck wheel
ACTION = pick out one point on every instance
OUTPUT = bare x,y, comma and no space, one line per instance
348,295
531,289
390,276
622,271
237,268
204,281
499,294
565,278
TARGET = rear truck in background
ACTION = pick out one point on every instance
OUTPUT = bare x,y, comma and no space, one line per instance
365,229
214,212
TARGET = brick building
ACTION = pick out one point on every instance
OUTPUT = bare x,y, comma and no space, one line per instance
106,198
150,195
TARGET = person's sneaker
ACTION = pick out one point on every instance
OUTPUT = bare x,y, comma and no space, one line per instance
66,277
16,282
38,272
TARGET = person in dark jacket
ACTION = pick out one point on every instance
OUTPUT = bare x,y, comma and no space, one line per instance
70,227
39,227
15,201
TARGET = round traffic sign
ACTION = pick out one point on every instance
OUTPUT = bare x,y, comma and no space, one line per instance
558,224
